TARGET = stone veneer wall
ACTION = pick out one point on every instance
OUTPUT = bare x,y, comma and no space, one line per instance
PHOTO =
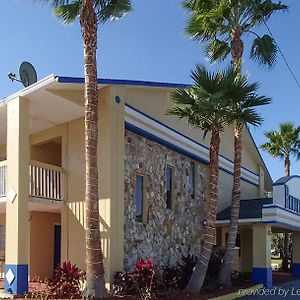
168,233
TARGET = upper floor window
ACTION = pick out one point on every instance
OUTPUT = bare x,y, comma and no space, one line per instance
139,198
169,185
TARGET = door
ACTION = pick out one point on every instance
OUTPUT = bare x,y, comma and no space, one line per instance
57,245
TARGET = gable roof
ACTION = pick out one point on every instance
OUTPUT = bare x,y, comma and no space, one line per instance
62,82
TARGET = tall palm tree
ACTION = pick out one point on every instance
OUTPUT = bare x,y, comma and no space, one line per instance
221,25
210,104
284,143
91,13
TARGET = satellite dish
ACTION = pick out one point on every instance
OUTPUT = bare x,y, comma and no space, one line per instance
27,74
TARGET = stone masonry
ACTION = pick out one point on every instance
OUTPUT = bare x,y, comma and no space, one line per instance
168,233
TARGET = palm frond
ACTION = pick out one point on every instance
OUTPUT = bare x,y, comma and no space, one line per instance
264,50
68,13
106,10
111,9
217,50
220,98
263,10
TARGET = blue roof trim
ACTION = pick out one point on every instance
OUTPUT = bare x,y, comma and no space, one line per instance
284,180
161,141
267,206
290,226
183,135
63,79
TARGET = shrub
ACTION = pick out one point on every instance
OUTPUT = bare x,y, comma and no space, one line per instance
176,278
66,283
144,276
215,262
186,266
171,278
142,281
123,284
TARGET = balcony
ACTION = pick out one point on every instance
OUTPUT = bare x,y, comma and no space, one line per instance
45,182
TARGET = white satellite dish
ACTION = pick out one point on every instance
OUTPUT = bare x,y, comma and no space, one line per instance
27,73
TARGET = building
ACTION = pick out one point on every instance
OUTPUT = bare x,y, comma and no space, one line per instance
152,181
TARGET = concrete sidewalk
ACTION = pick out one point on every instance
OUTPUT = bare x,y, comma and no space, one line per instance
288,290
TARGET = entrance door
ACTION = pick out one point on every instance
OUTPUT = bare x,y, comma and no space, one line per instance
57,245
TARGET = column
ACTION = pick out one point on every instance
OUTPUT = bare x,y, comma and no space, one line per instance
296,254
262,270
111,177
17,225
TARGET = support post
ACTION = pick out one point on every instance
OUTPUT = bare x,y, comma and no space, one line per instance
296,254
17,226
262,270
111,178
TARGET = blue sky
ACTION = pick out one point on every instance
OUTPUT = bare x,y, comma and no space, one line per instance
148,44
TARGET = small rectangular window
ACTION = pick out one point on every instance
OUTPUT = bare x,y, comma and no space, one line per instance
169,185
139,198
192,180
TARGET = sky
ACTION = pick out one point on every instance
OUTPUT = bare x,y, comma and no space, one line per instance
148,44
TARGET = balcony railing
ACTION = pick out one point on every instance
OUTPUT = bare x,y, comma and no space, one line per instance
45,180
2,179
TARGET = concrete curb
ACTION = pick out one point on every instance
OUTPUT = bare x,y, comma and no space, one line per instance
238,294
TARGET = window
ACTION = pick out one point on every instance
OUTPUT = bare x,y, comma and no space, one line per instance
139,198
169,185
192,180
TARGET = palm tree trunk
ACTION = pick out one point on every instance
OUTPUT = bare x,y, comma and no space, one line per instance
196,281
224,277
287,166
237,48
285,259
226,267
95,283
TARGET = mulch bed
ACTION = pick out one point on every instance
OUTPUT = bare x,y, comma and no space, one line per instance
204,295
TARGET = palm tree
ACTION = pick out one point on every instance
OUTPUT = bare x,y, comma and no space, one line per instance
221,25
90,13
211,105
284,143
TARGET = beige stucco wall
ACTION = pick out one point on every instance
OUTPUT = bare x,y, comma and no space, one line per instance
49,153
248,191
246,249
2,152
111,185
242,260
74,216
42,243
